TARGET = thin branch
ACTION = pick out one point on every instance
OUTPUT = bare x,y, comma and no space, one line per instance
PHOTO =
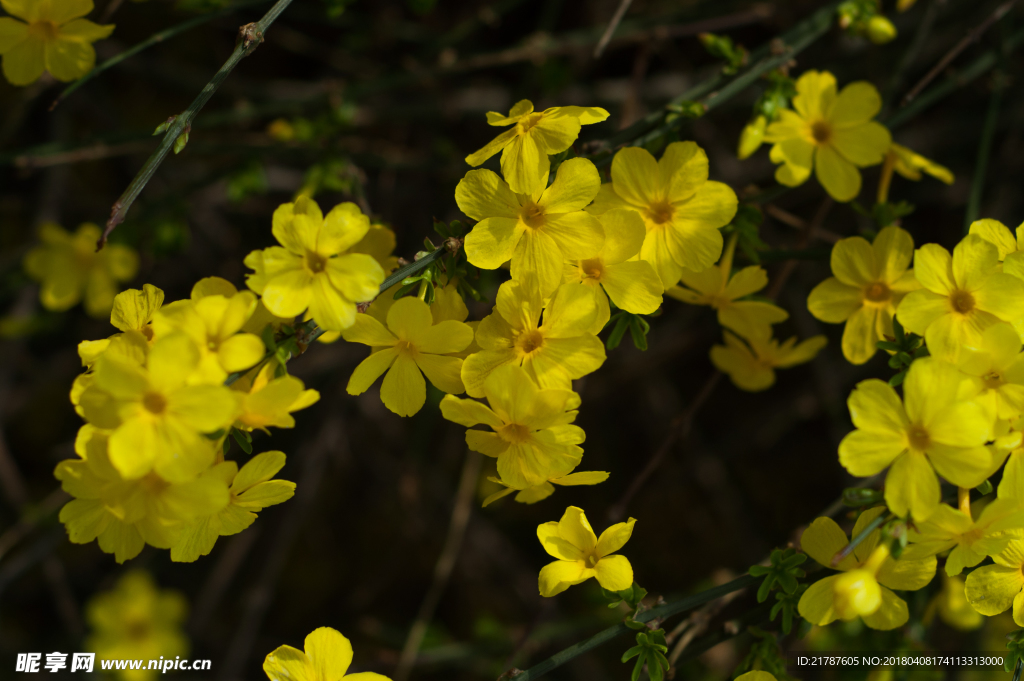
445,565
612,25
154,39
250,36
971,37
809,233
696,624
679,430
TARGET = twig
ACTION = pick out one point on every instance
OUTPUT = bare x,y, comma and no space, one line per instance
964,43
916,45
445,564
696,624
679,430
250,36
988,134
612,25
841,555
109,11
809,232
154,39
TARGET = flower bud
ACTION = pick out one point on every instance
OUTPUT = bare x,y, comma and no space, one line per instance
880,30
752,137
904,5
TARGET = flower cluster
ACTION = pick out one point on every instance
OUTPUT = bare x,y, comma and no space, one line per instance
161,397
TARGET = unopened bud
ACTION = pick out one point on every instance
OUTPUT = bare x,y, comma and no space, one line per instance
856,593
880,30
752,137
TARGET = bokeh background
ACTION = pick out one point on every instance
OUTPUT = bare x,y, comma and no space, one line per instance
378,102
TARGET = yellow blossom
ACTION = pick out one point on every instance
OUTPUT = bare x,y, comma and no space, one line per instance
910,164
952,606
682,210
251,490
934,430
554,349
536,231
833,134
752,137
997,366
868,283
863,588
326,657
124,515
69,269
311,268
970,540
269,401
410,346
963,294
615,272
722,290
534,135
992,589
582,555
55,39
158,421
134,309
532,437
751,365
1009,245
137,620
531,495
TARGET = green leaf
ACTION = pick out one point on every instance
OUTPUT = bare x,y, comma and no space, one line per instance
615,337
243,439
631,653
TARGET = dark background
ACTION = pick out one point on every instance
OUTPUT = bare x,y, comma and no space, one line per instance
395,95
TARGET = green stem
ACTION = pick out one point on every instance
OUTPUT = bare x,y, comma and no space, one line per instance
848,549
250,37
413,267
150,42
661,612
988,133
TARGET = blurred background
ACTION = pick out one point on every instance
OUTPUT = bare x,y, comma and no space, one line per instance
379,102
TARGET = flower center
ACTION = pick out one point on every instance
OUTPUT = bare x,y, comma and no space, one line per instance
992,381
918,438
527,122
877,292
821,131
591,269
532,215
529,342
591,560
155,403
962,301
315,262
43,30
154,484
137,629
405,347
514,433
660,212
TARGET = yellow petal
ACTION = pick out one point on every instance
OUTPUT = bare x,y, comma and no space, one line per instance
369,370
575,529
558,576
682,170
891,614
838,176
493,241
856,103
614,573
816,94
991,589
342,228
911,486
443,372
633,286
822,540
817,603
24,62
556,545
329,652
614,538
634,174
403,391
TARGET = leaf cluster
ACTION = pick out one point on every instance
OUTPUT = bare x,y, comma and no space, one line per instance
649,650
906,347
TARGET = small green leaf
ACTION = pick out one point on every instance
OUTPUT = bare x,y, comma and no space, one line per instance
244,440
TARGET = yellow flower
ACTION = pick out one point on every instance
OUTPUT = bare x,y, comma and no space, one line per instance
868,284
720,289
751,365
831,133
554,351
251,490
582,555
992,589
269,401
934,428
124,515
537,231
411,345
867,576
532,437
326,657
997,366
962,295
525,148
158,421
752,137
1011,247
910,164
68,267
682,210
615,272
312,270
55,39
379,244
970,540
137,620
214,323
531,495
